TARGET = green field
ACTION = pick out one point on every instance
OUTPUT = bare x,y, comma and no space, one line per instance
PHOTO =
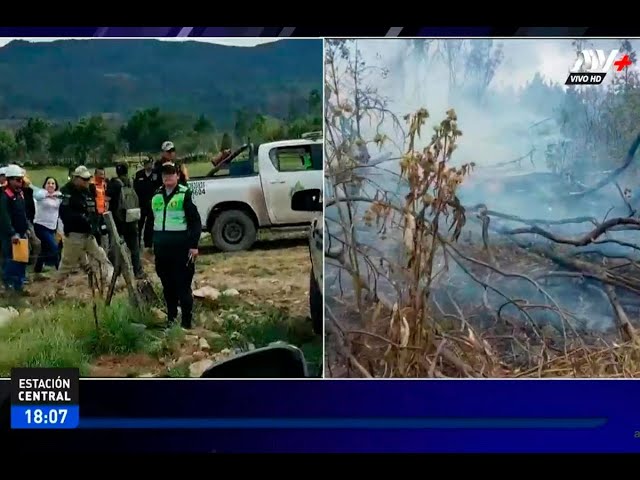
289,162
38,175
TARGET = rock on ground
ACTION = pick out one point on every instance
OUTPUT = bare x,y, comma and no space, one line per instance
203,344
198,368
7,314
207,292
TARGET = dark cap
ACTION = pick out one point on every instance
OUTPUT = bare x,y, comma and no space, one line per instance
122,169
169,168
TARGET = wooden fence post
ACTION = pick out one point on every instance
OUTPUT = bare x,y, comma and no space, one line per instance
123,263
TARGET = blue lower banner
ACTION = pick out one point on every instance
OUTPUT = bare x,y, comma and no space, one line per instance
45,416
439,416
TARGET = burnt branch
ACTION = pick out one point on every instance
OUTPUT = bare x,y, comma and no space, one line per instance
586,239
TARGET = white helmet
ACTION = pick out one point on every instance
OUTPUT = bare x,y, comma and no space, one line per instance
14,171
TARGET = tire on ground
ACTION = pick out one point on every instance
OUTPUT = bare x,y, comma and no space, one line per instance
233,230
315,304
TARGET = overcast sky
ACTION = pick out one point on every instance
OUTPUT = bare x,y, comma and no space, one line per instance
239,42
551,58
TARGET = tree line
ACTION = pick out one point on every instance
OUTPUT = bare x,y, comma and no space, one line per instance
596,124
99,139
576,129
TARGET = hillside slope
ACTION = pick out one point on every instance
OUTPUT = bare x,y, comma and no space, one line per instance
72,78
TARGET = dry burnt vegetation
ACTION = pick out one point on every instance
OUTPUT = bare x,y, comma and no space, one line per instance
469,291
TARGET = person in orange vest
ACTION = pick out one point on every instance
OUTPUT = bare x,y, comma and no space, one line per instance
99,189
100,183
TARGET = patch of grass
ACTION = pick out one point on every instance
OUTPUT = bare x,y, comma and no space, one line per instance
119,331
65,335
239,324
178,371
171,342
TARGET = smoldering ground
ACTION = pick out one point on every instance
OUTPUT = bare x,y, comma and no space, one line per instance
548,255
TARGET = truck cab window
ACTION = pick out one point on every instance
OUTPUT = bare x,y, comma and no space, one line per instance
295,158
317,156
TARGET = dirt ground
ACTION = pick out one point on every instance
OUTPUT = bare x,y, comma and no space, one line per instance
275,272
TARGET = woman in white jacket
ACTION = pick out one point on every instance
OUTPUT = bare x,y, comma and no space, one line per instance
45,223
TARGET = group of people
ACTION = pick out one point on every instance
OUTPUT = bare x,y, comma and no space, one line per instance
66,230
26,212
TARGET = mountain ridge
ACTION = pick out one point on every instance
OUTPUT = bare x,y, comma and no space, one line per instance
68,79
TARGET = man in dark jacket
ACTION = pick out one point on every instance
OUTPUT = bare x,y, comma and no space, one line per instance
80,220
127,227
169,156
145,183
14,226
176,235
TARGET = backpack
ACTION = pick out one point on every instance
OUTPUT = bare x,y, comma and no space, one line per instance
129,205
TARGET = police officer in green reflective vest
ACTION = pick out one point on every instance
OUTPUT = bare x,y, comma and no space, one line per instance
176,234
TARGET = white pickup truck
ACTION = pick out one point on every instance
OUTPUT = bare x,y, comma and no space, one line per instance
256,192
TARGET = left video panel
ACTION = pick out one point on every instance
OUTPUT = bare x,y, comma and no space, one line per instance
157,206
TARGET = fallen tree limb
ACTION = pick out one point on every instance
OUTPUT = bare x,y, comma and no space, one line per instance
586,239
582,269
531,221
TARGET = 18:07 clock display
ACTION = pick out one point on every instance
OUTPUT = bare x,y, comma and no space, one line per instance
45,416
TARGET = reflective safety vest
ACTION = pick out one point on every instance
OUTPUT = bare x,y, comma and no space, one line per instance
169,216
100,197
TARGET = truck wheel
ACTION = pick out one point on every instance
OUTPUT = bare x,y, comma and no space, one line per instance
315,304
233,230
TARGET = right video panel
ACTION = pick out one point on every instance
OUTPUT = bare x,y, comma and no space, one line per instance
481,205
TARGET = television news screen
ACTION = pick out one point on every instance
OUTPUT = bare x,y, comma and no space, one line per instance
306,240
